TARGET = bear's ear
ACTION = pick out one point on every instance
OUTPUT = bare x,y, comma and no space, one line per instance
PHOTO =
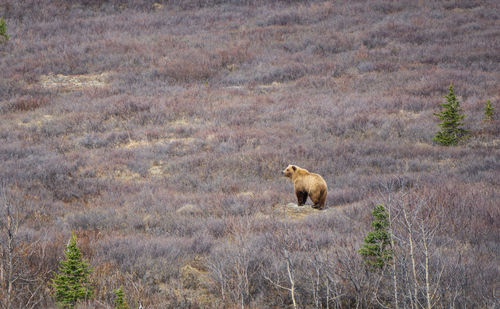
294,167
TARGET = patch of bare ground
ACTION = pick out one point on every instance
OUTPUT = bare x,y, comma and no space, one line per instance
189,209
195,283
157,169
36,122
294,211
74,82
408,115
260,88
119,173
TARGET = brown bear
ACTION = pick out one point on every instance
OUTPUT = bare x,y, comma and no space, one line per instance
307,184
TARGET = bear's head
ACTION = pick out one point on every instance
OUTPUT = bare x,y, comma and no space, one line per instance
289,171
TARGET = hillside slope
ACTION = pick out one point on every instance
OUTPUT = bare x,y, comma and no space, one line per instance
158,133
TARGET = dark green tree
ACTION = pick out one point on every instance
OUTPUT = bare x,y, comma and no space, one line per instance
120,301
376,250
452,130
71,282
3,31
488,111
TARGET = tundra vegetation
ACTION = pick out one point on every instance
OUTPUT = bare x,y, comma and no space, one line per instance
157,132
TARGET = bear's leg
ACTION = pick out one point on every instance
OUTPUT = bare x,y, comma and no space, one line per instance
304,198
301,197
315,199
319,200
322,200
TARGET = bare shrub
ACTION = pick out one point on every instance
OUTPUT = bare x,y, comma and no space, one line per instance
27,103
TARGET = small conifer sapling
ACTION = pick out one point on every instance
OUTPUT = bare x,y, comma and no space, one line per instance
488,111
3,31
71,282
452,130
376,250
120,301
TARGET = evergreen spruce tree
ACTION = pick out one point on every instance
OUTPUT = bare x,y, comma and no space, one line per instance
375,249
71,282
3,31
120,301
451,126
488,111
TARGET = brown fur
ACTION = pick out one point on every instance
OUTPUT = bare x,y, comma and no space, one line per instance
307,184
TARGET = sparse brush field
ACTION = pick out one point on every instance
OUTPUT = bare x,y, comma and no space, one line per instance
158,132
